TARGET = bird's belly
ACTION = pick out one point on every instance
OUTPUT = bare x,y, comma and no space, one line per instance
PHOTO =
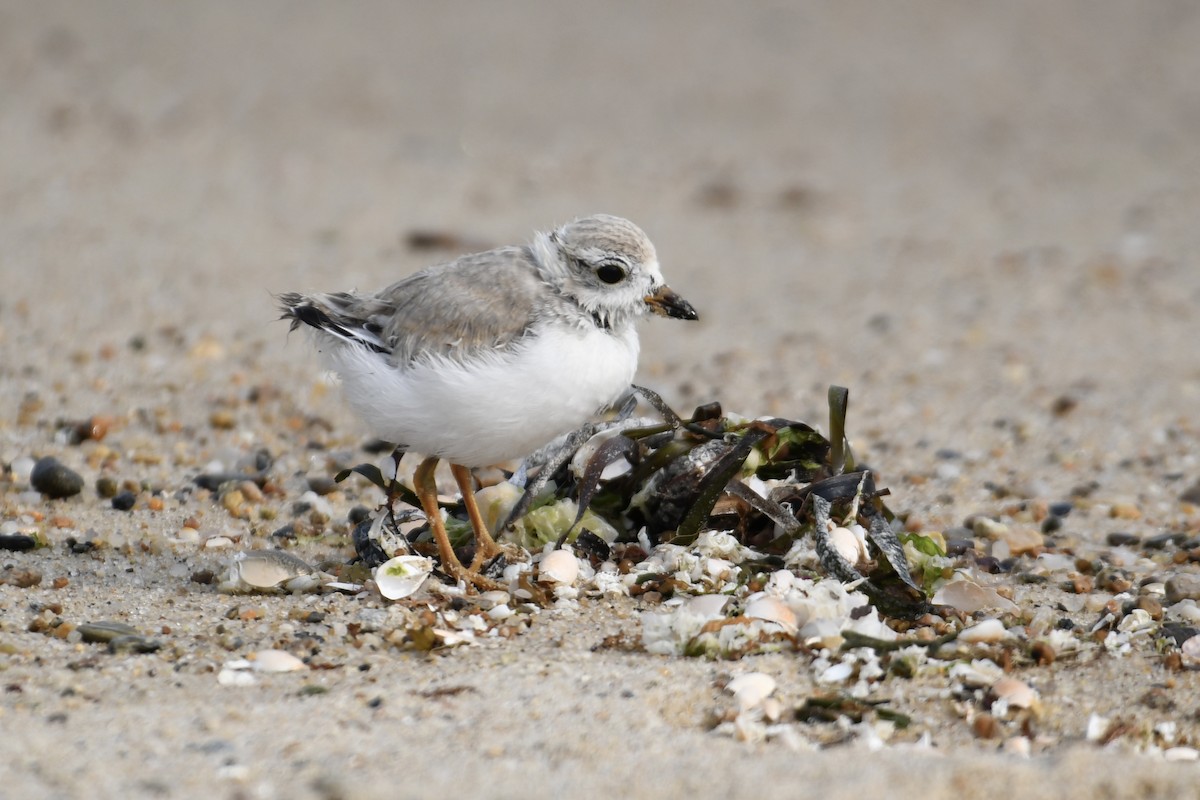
496,407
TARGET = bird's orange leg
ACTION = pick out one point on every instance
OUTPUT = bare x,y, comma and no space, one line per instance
485,546
426,489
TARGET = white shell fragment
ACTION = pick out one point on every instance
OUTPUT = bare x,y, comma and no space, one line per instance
987,632
969,596
402,576
751,689
559,566
1016,693
265,570
772,609
276,661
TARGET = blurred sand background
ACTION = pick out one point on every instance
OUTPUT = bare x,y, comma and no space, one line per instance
976,216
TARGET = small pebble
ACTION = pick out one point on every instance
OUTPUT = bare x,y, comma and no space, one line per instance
985,726
1124,511
105,631
1182,587
54,479
1122,539
106,487
1061,509
1163,540
19,542
124,501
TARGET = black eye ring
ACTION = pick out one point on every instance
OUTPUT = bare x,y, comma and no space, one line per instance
610,273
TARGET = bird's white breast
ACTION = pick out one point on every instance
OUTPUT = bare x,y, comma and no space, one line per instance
495,407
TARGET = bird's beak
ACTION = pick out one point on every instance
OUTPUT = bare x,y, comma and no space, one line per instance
666,303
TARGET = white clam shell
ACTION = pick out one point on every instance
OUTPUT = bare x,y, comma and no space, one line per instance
559,566
402,576
988,631
276,661
751,688
848,544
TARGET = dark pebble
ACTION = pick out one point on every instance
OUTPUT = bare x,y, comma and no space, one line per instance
1163,540
54,479
1051,524
105,631
1065,624
106,487
133,644
1060,509
124,501
989,564
1122,539
1179,632
956,547
286,532
79,548
1191,494
203,576
321,484
947,454
19,542
359,514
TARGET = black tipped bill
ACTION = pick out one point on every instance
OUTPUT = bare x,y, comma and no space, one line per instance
666,303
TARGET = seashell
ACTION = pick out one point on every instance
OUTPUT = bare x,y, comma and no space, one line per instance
496,502
987,632
1190,651
852,548
707,605
1181,754
751,688
841,671
266,569
276,661
1016,693
775,610
236,673
402,576
968,596
558,566
496,597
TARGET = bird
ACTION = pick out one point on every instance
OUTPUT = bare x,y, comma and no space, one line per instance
488,357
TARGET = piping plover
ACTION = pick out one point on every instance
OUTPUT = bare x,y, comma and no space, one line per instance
488,357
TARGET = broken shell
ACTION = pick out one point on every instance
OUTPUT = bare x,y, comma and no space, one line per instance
751,689
559,566
988,631
276,661
267,569
707,605
775,610
968,596
1016,693
402,576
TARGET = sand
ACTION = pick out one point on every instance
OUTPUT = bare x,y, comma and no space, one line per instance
979,218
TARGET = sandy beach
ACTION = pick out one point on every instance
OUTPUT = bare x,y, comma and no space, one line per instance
980,218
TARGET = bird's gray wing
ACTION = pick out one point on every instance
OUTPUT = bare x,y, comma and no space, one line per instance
481,301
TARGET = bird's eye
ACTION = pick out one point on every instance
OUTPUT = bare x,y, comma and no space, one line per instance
610,273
